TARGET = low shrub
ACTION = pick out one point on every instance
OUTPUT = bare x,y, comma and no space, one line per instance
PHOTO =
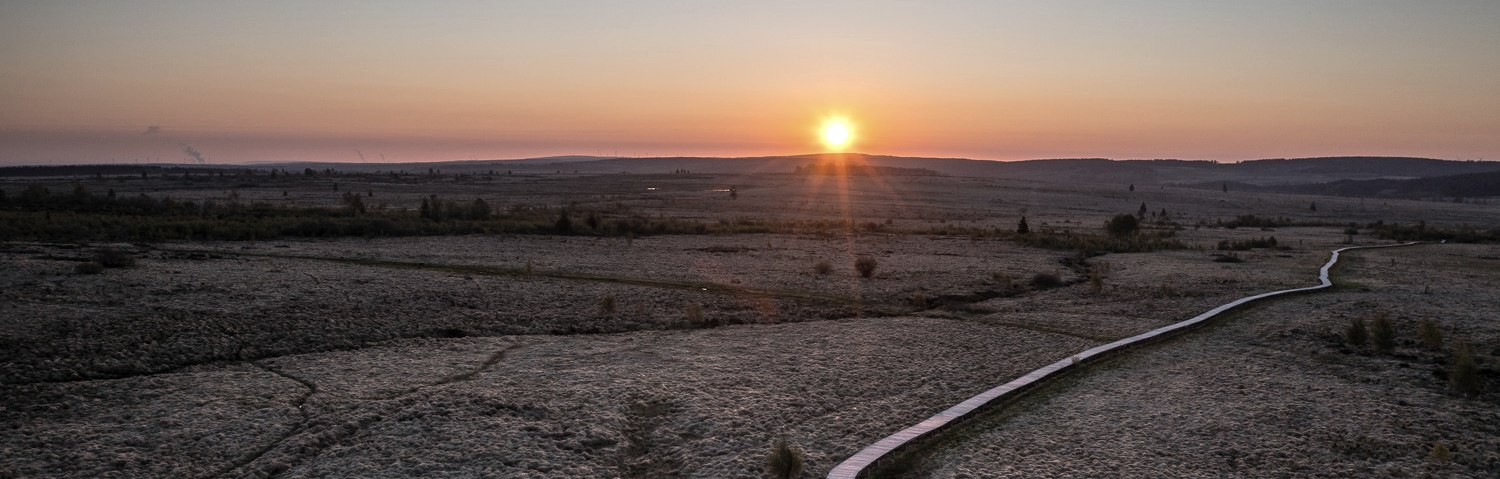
1464,377
1249,244
1383,334
822,268
1046,281
693,312
865,265
607,305
1122,225
1440,454
1356,334
1228,258
1006,281
918,299
785,461
114,258
89,267
1428,334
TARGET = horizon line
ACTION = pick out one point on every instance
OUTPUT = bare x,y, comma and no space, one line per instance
607,157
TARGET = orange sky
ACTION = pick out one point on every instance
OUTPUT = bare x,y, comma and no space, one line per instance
278,81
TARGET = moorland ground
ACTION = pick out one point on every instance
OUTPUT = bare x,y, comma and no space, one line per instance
688,351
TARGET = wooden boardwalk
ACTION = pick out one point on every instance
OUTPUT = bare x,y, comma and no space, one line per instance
859,464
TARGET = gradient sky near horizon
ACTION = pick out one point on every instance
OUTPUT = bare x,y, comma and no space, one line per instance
370,80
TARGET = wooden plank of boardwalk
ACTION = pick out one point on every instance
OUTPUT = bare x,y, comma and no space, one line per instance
859,464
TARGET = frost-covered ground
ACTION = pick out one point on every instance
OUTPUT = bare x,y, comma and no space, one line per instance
701,403
1273,391
405,357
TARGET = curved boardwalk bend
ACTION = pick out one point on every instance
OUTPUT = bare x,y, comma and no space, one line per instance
860,464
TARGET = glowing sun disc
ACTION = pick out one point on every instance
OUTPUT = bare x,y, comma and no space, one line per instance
837,133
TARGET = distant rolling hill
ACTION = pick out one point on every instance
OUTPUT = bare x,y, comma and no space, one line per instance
1255,173
1469,185
1086,170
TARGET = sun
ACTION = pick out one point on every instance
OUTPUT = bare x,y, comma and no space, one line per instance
837,133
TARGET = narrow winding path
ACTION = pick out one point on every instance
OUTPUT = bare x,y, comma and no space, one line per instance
867,460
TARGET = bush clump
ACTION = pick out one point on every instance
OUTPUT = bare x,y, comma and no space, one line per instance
1006,281
822,268
1356,334
1248,244
785,461
1122,225
919,300
865,265
1046,281
88,267
693,312
607,305
114,258
1428,334
1383,334
1440,454
1228,258
1464,378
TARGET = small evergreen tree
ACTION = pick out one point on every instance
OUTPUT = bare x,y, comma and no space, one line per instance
1464,378
1141,213
1022,227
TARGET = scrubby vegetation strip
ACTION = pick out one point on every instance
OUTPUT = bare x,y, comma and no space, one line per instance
716,288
